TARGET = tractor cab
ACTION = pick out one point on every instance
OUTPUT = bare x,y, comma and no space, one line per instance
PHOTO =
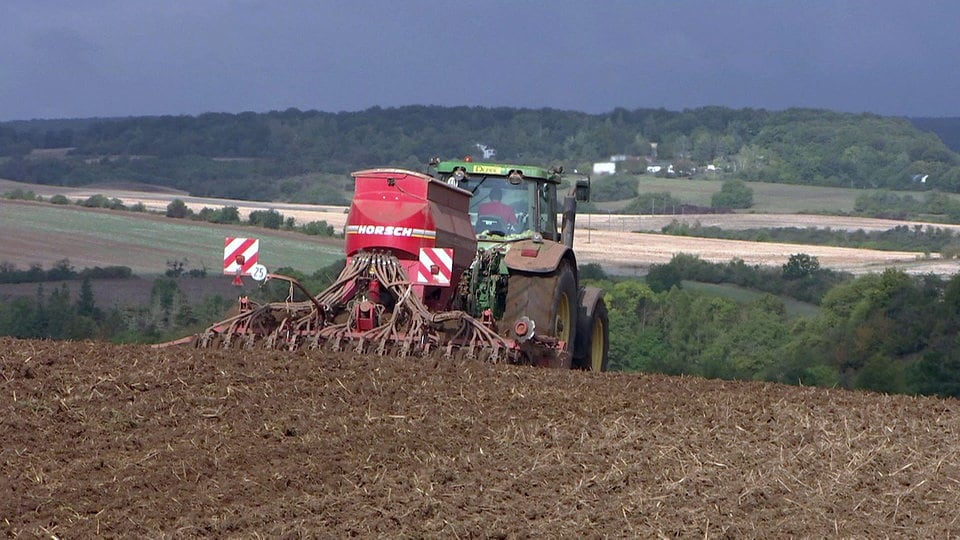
508,202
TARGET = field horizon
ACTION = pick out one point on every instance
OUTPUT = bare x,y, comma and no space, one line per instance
622,244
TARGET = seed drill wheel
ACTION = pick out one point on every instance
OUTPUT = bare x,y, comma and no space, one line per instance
593,332
550,300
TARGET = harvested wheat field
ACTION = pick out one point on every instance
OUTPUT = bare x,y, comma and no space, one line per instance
620,243
626,253
102,440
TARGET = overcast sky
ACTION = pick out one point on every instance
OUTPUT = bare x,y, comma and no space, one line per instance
83,58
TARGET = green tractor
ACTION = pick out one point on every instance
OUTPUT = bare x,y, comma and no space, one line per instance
525,274
468,262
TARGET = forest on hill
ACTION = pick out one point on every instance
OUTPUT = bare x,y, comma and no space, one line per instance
900,339
295,155
892,332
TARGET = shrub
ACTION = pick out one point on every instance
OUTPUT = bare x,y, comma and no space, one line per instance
19,194
96,201
178,209
269,219
733,194
318,228
613,188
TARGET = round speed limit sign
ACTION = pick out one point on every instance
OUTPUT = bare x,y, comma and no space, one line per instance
258,272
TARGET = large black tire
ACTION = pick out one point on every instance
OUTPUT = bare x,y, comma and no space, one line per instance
593,332
550,300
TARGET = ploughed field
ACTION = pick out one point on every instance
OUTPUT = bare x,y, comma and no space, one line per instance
104,440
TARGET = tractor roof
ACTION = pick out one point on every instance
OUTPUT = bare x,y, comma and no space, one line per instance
498,169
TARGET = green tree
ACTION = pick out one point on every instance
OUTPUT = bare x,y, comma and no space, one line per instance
881,374
751,343
20,319
636,340
803,359
663,277
800,265
229,214
733,194
269,219
96,201
59,313
937,373
318,228
86,305
692,324
177,209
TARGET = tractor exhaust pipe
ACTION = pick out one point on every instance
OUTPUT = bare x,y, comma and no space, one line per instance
569,221
579,192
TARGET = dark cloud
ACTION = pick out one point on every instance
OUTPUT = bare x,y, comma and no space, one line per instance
114,58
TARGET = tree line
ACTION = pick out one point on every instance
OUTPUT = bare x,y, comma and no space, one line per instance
922,239
888,332
69,310
61,270
303,156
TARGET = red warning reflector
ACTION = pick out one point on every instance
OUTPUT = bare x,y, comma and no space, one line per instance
435,267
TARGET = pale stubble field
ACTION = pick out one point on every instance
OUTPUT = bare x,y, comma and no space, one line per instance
621,244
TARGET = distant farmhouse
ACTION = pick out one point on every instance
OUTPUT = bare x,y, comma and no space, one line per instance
622,163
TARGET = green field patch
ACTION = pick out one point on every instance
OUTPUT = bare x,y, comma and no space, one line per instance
146,244
767,197
794,308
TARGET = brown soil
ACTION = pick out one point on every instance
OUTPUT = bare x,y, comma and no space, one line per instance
101,440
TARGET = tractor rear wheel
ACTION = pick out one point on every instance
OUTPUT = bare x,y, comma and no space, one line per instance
550,301
593,332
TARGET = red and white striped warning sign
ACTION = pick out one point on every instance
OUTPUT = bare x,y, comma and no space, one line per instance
240,254
436,267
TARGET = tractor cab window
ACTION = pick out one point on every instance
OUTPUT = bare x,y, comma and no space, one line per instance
505,209
499,207
547,210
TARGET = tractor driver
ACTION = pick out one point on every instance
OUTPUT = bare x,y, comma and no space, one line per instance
495,207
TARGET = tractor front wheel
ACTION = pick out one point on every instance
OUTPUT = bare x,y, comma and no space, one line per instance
593,332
